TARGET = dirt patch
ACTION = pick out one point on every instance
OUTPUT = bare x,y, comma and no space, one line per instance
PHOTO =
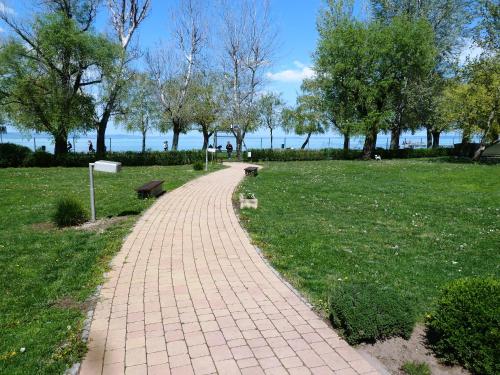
102,224
65,303
395,352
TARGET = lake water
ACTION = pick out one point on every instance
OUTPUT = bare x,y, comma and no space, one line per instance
194,140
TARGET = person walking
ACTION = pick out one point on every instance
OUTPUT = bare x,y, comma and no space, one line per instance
229,149
91,147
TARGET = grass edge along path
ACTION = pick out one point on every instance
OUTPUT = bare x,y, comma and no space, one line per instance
48,274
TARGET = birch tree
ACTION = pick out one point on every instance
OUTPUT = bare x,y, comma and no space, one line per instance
126,17
173,68
248,43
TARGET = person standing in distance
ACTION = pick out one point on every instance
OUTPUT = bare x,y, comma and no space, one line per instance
229,149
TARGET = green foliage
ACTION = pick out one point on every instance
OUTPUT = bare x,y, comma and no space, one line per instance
45,159
465,327
46,68
337,154
366,313
12,155
40,159
198,166
416,368
69,212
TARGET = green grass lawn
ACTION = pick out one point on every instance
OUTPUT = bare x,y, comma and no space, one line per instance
47,273
406,224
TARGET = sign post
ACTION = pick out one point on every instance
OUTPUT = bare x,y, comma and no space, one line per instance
100,166
207,150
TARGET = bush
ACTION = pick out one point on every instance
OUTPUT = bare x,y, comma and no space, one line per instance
365,313
40,159
12,155
416,368
198,166
465,328
69,212
338,154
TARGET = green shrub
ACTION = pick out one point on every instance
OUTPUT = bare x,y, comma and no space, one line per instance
40,159
339,154
198,166
465,328
365,312
69,211
12,155
416,368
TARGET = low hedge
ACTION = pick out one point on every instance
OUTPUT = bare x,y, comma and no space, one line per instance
338,154
12,155
19,156
465,327
366,312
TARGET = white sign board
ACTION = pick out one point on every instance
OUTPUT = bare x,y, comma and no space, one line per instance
107,166
249,154
212,150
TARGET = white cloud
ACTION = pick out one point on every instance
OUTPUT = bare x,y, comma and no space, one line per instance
4,9
292,75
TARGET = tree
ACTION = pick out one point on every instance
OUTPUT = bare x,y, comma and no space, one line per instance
143,112
173,68
473,104
126,17
270,108
353,71
47,66
411,60
306,118
249,40
449,20
207,103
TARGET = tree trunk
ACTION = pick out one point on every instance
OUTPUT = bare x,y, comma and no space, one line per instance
306,141
395,136
429,137
101,136
206,138
271,138
177,131
435,138
60,144
370,143
482,144
239,146
347,140
143,142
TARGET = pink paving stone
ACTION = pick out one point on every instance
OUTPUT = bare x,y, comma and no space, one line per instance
113,369
137,370
188,287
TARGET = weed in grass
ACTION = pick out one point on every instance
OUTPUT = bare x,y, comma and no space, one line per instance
416,368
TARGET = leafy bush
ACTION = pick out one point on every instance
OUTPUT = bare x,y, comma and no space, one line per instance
338,154
365,313
12,155
465,328
40,159
416,368
69,211
198,166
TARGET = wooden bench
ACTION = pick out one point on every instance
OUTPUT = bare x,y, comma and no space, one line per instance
151,189
251,171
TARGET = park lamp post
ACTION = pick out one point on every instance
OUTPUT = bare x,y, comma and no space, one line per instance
100,166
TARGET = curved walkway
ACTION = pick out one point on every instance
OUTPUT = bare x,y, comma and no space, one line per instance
188,293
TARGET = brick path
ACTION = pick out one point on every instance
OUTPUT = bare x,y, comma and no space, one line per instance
188,294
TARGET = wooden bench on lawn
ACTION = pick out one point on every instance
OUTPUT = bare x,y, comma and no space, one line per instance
251,171
151,189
